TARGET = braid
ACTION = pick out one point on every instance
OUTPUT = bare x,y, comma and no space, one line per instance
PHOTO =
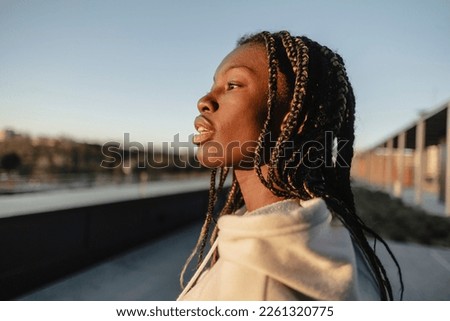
228,209
300,67
201,242
273,69
298,56
322,102
297,114
345,133
199,248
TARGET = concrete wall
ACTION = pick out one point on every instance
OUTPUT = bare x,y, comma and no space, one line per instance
38,248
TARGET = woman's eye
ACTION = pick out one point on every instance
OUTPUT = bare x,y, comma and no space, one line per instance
231,86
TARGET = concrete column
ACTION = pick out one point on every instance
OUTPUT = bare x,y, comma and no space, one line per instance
419,161
371,165
398,185
442,163
367,166
447,167
374,168
379,169
357,164
388,167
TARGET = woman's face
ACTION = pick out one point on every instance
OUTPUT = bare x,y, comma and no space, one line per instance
233,112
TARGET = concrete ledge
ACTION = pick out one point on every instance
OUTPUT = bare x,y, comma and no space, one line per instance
47,201
38,248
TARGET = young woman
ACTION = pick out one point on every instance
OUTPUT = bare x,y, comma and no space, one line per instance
280,117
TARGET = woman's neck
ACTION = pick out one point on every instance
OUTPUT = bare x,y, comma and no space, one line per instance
255,194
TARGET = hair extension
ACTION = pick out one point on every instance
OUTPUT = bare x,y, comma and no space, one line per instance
321,103
205,231
322,100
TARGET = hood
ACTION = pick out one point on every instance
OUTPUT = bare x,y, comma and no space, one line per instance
297,244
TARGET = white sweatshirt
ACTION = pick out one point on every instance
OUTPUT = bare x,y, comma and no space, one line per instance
285,251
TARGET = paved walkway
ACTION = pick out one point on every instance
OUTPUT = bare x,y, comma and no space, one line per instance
430,201
151,272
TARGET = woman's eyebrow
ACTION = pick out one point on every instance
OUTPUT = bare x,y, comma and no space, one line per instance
235,67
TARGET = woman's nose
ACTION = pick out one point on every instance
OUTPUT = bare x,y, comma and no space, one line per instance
207,104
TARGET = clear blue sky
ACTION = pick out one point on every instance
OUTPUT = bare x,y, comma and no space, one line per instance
93,70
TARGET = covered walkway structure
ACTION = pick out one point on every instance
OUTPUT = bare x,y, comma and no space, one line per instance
414,158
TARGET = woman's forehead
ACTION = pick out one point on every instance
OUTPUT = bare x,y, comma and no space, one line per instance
250,56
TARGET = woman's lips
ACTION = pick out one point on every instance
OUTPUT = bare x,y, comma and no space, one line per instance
202,137
204,128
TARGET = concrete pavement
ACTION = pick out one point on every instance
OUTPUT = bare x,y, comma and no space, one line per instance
151,272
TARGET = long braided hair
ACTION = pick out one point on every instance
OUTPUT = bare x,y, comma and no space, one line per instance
312,155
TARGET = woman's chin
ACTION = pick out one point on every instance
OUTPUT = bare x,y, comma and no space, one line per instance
211,155
209,161
218,162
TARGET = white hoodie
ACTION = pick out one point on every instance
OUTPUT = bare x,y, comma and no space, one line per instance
285,251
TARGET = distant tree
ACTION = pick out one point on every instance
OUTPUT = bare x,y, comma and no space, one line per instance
10,161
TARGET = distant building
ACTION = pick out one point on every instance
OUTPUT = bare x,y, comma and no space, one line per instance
44,141
7,134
